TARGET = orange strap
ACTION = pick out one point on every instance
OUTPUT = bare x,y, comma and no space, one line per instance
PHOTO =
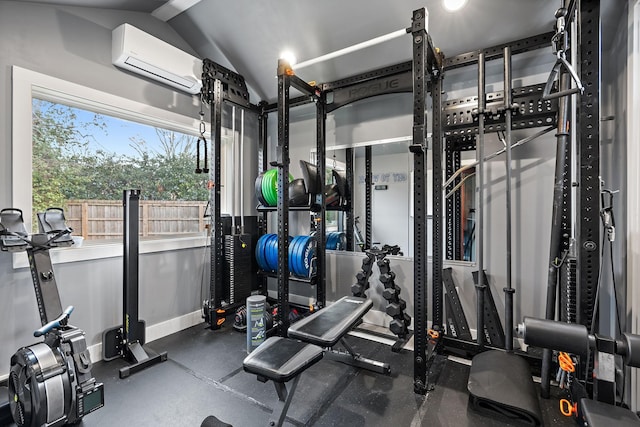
433,334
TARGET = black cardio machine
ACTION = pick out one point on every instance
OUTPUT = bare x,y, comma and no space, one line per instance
50,383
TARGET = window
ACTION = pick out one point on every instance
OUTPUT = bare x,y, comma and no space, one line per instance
94,113
82,161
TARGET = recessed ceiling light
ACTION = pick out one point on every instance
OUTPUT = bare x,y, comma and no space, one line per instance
453,5
288,56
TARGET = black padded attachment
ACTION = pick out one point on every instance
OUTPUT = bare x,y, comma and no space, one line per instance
500,385
311,177
298,195
12,229
340,178
53,223
599,414
212,421
280,359
327,326
331,195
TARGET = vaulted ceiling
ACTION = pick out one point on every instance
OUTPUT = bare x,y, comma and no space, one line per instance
248,35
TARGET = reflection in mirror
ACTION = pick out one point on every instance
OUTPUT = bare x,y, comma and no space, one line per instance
461,192
391,197
391,216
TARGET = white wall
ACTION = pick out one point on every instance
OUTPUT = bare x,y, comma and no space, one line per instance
74,44
633,178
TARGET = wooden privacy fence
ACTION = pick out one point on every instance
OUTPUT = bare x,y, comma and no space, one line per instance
102,219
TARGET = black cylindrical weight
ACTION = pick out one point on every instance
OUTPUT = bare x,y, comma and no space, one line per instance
569,337
631,350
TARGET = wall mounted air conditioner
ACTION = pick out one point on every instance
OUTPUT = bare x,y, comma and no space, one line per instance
134,50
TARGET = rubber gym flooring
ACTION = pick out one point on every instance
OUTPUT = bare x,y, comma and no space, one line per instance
203,376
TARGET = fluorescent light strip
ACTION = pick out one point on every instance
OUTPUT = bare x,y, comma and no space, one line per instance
355,47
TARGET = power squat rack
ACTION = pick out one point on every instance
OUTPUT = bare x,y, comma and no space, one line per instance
423,77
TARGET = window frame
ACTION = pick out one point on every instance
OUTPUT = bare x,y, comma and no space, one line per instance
26,85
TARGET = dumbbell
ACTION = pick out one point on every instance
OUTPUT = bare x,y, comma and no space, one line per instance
396,308
368,262
362,276
358,290
388,278
383,265
391,293
399,326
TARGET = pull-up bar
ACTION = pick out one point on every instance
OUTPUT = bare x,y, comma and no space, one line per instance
355,47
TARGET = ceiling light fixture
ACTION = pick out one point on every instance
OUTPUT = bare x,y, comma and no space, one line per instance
288,56
453,5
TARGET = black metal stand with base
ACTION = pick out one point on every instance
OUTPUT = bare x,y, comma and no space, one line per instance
500,383
127,340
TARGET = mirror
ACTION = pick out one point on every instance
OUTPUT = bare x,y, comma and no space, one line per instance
392,196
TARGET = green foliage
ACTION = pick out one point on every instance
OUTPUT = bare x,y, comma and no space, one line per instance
66,167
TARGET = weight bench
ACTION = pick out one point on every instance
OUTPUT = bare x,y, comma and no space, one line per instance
330,325
283,359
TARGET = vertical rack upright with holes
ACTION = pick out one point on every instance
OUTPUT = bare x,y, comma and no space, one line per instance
219,86
286,79
407,77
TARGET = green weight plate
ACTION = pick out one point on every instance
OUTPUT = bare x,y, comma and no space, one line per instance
267,184
270,186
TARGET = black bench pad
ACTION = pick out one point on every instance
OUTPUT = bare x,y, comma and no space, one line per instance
280,359
327,326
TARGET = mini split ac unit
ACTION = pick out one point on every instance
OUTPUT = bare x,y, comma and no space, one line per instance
134,50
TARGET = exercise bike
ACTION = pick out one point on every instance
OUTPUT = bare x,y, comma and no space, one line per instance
50,383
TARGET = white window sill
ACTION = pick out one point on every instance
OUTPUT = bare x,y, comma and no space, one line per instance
112,250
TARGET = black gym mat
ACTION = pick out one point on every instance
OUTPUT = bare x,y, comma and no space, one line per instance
500,385
204,376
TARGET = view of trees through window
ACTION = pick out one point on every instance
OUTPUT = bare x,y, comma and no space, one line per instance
82,161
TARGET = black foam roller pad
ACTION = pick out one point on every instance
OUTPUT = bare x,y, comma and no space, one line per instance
632,350
569,337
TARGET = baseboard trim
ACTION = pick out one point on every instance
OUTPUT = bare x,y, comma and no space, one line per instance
157,331
153,332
